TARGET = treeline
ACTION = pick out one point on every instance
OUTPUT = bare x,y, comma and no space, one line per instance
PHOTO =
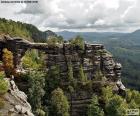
27,31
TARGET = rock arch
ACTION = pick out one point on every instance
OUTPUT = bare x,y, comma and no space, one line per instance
61,54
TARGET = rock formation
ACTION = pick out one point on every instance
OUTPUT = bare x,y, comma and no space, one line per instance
93,57
15,102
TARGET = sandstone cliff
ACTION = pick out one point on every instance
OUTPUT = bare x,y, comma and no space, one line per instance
93,58
15,102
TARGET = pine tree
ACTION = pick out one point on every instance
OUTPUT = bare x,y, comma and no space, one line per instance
70,72
82,75
94,108
78,41
36,89
59,103
116,106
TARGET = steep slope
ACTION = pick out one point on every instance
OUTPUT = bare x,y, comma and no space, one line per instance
15,102
27,31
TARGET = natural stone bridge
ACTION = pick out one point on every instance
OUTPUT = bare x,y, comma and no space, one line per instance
93,57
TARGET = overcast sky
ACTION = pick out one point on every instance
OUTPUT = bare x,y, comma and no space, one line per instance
77,15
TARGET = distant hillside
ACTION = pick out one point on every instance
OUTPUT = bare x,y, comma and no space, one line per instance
131,38
92,36
27,31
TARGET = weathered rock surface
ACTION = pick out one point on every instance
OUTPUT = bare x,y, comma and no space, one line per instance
15,102
93,57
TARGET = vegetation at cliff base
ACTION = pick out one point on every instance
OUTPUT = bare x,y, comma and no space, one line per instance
94,107
59,103
36,89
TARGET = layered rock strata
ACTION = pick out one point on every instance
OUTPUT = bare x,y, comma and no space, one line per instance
93,58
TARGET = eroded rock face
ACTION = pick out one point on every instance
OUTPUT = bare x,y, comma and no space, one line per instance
15,102
93,57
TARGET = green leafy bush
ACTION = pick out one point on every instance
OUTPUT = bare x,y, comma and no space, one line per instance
32,59
116,106
3,86
53,41
78,41
81,74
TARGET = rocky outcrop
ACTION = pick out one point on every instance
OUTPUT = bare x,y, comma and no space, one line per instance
93,58
15,102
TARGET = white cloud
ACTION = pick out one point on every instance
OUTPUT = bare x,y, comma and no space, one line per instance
116,15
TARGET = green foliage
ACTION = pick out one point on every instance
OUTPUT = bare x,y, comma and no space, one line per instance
77,41
116,106
94,108
13,28
70,89
136,97
128,95
36,89
106,94
3,86
26,31
53,41
81,75
8,62
70,72
133,98
40,112
52,79
33,59
59,103
98,75
133,105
